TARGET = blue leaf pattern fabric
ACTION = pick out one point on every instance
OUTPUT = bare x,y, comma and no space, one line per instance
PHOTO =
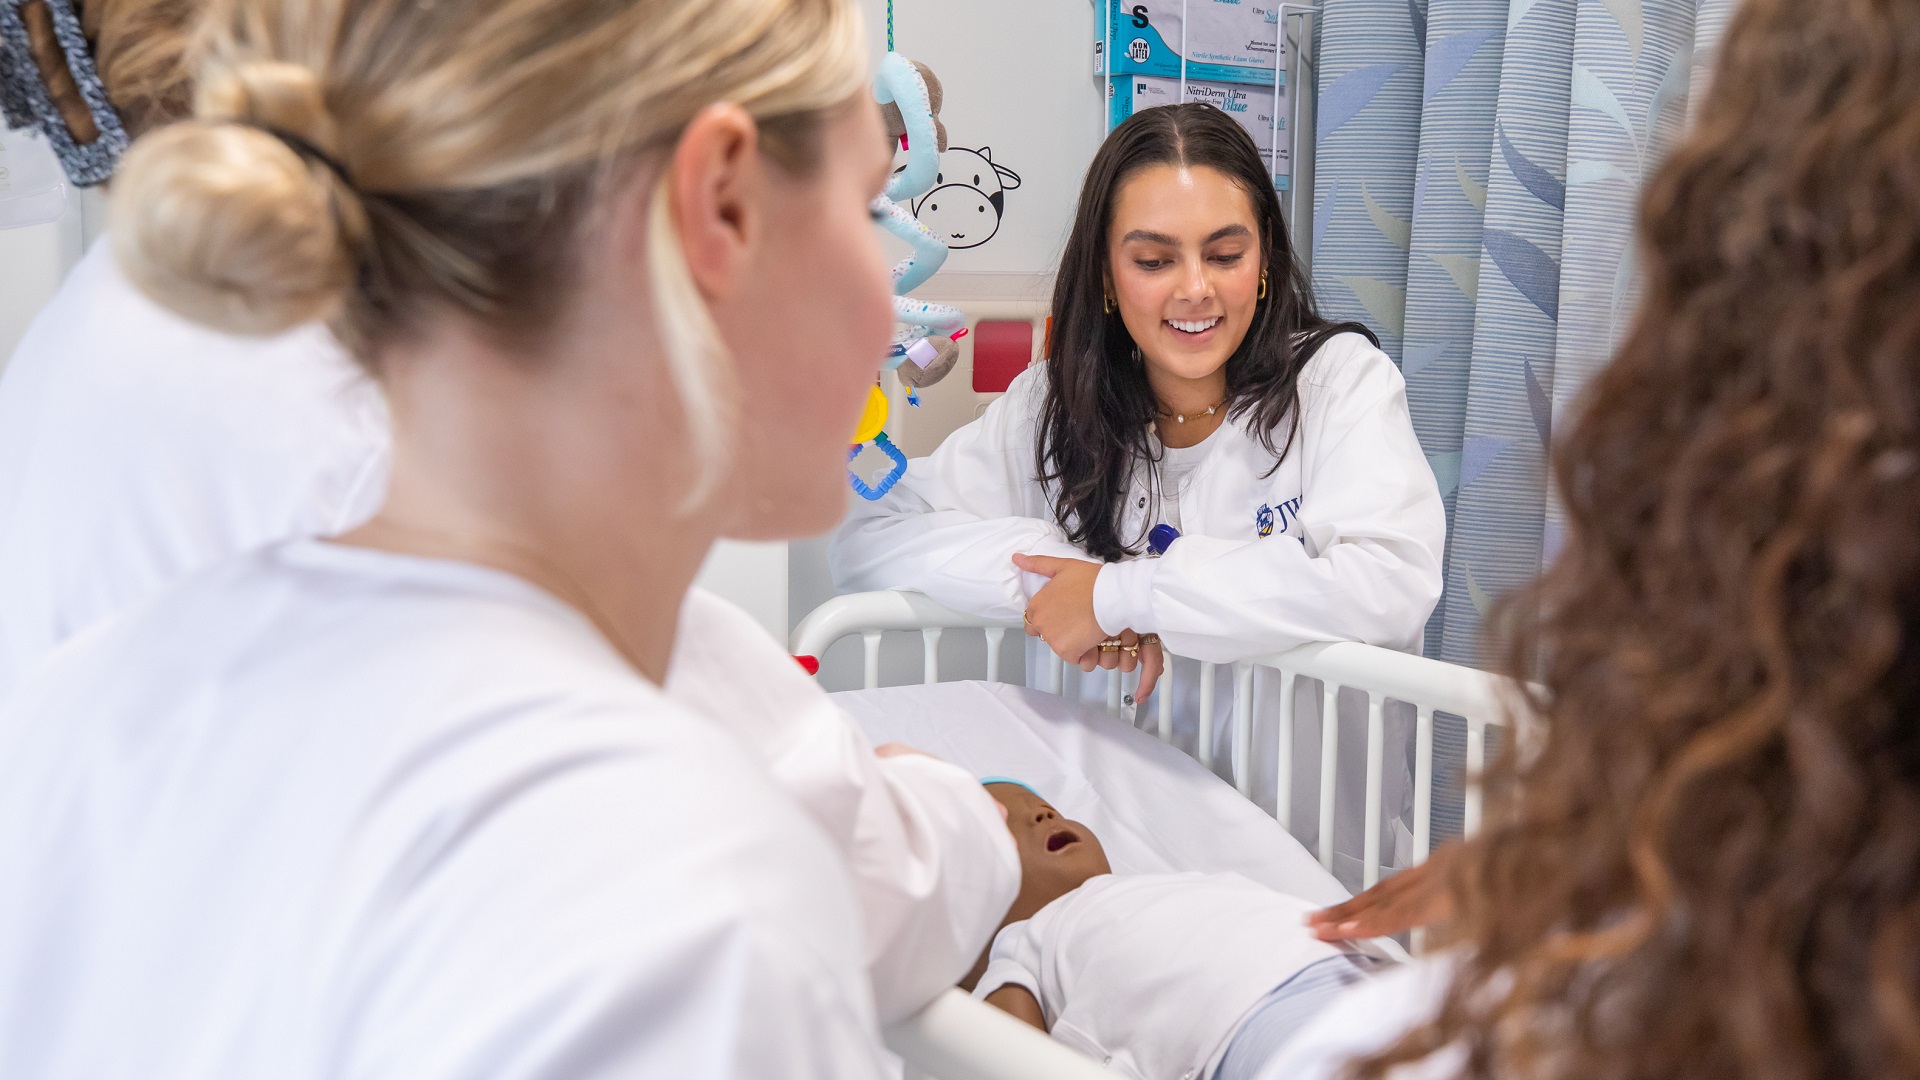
1550,114
1370,75
1343,100
1450,56
1527,268
1543,185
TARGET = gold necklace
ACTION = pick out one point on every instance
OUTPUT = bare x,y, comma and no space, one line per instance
1181,419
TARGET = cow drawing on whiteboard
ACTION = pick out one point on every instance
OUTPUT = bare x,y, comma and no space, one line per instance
968,198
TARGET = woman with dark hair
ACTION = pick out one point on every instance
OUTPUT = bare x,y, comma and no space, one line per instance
1707,862
1190,384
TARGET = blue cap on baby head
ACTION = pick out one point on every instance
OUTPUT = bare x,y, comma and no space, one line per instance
985,780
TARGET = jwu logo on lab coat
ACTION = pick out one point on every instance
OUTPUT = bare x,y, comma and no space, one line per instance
1267,517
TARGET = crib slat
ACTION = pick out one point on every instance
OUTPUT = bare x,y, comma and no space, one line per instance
1113,693
1243,728
930,649
1422,783
1329,759
1376,748
995,635
1205,748
1476,760
1283,797
1056,669
1164,691
870,641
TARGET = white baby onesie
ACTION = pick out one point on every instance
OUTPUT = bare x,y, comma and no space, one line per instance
1153,973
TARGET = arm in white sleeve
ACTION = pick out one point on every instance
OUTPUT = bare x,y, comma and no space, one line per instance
952,525
929,854
1014,961
1368,565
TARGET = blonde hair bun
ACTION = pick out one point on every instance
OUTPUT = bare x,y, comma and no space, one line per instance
221,220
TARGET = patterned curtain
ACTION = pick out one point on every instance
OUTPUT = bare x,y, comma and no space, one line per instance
1478,165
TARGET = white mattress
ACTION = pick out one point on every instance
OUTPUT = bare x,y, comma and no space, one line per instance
1153,807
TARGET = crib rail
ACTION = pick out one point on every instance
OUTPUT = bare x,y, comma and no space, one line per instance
1381,674
958,1038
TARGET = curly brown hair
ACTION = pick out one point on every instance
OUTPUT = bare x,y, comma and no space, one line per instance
1705,858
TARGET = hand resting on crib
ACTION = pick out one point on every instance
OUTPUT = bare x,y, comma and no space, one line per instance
1061,615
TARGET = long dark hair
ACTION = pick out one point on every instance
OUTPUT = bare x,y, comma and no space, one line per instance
1707,861
1094,421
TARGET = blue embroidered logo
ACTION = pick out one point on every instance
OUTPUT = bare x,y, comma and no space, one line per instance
1267,518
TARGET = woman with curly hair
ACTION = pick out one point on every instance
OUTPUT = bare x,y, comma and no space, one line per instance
1705,861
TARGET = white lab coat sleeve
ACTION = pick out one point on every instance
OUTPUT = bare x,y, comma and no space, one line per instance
1368,566
929,853
951,527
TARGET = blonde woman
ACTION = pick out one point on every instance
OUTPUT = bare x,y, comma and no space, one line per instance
411,802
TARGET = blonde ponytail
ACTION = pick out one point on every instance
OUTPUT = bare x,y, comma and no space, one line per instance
221,219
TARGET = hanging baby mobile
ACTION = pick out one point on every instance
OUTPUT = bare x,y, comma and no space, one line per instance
926,341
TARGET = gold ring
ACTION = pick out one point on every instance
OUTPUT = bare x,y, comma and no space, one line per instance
1149,639
1027,616
1131,650
1110,645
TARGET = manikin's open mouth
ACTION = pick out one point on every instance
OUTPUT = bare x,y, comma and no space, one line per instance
1059,841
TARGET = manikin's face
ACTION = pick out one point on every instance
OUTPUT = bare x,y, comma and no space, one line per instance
1185,260
808,332
1057,856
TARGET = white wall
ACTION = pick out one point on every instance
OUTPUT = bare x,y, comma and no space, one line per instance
1019,80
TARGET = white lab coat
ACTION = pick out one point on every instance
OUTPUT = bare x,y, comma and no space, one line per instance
1152,974
324,812
1353,554
1355,497
931,857
137,447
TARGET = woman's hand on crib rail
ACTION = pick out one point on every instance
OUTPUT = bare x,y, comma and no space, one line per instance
1411,899
1061,613
1061,616
1133,651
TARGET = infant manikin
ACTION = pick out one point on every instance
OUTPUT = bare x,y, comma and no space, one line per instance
1159,976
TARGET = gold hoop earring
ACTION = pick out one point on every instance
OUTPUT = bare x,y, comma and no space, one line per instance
1263,287
1108,302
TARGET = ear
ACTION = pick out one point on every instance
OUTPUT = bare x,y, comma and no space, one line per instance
718,183
1008,178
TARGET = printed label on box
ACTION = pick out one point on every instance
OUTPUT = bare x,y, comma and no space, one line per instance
1225,40
1254,106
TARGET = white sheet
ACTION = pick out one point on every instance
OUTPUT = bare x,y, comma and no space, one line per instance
1154,808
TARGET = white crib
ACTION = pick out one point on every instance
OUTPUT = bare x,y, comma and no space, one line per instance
959,1039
